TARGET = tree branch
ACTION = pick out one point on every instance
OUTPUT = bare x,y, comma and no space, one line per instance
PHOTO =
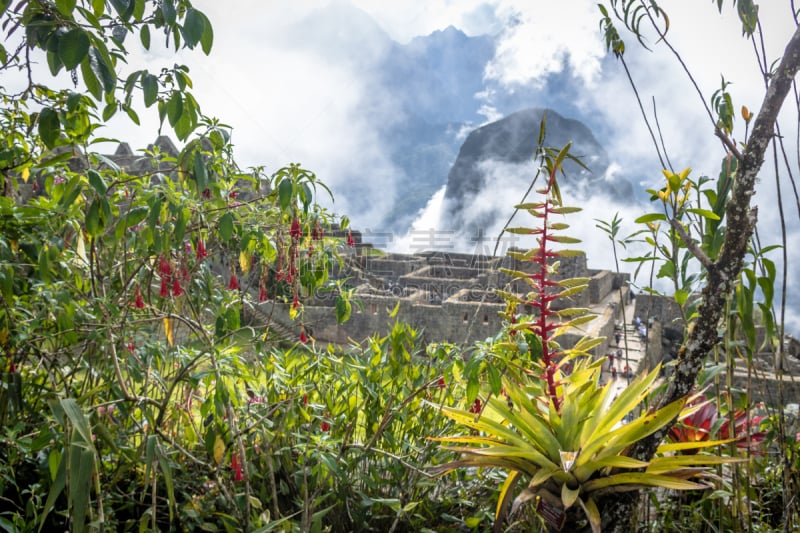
741,219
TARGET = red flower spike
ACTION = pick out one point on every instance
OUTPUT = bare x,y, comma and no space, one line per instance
262,294
176,288
233,284
164,292
350,241
295,302
303,337
139,302
305,400
201,250
325,426
441,383
295,231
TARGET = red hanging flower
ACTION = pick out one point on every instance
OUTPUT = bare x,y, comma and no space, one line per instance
139,302
262,294
201,250
295,302
164,292
305,400
441,383
236,466
350,241
164,268
325,426
233,283
303,337
295,231
176,287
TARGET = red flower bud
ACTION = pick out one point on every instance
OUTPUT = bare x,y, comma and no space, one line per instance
325,426
233,284
303,337
295,302
164,268
350,241
262,294
164,292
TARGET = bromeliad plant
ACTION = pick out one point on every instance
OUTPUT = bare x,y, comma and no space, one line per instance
558,428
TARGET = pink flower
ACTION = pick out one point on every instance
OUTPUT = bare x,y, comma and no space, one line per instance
164,268
350,241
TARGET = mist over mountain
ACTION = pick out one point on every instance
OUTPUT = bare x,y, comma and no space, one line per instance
499,156
424,97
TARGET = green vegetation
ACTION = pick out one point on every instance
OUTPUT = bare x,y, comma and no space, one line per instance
142,390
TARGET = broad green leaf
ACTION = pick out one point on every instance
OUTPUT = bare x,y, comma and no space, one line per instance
149,88
207,40
174,108
65,7
102,70
635,480
49,127
285,192
193,27
73,47
168,11
95,219
226,226
200,172
96,181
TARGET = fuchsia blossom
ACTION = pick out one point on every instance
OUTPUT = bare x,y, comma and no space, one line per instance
233,283
201,250
176,287
236,466
475,408
139,301
295,231
350,241
303,337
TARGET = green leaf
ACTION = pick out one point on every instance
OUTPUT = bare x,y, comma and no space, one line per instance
102,70
168,11
73,47
95,218
285,191
49,127
194,26
149,88
174,108
343,310
144,36
96,181
65,7
90,79
650,217
704,213
226,226
207,40
200,172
